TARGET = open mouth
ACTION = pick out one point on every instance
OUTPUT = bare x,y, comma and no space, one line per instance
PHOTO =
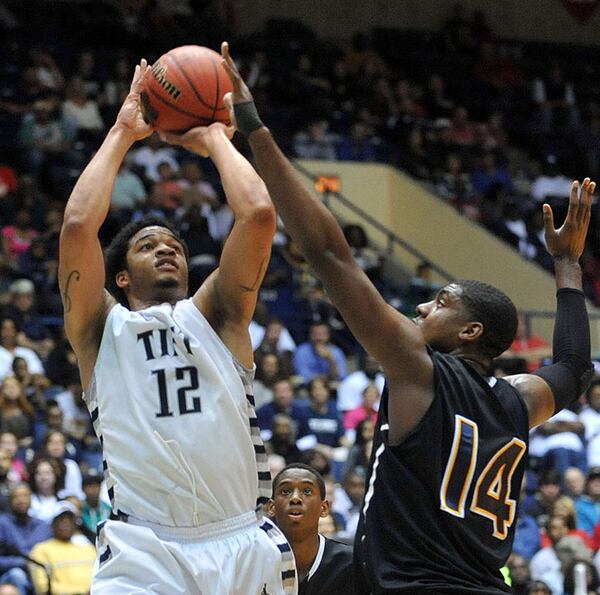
166,265
295,513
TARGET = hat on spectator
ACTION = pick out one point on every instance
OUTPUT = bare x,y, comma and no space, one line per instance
64,507
22,286
593,473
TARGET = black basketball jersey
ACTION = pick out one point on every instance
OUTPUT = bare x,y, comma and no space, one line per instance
331,573
440,508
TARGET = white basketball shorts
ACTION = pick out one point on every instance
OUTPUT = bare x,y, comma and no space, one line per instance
239,556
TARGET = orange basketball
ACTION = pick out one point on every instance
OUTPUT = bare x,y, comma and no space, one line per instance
186,89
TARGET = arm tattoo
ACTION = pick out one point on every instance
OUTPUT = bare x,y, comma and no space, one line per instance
259,276
66,296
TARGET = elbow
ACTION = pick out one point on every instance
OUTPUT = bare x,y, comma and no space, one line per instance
263,216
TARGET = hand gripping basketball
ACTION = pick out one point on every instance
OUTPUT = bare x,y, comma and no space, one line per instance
130,116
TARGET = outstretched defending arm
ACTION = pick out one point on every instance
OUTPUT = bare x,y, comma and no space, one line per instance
553,387
389,336
81,264
228,297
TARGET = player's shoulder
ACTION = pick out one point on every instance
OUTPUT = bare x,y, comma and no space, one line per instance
333,547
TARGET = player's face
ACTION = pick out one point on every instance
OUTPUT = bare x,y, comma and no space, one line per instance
157,269
296,504
442,319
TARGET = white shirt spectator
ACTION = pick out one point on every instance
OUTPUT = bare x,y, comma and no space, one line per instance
351,388
43,507
34,363
539,445
257,334
85,117
590,418
543,562
150,159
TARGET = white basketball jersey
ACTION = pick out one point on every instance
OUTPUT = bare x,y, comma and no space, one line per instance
174,412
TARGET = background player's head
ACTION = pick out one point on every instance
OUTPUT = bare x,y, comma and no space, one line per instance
298,501
469,314
149,260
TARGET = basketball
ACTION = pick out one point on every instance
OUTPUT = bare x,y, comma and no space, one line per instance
185,90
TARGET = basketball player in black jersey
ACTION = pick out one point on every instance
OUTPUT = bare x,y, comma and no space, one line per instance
450,446
323,566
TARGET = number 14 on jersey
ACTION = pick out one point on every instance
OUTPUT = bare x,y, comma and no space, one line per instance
491,496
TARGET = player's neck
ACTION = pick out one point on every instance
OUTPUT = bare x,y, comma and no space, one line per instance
479,364
305,550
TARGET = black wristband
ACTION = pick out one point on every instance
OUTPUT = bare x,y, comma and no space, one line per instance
247,118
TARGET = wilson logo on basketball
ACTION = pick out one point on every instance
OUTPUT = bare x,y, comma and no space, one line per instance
159,72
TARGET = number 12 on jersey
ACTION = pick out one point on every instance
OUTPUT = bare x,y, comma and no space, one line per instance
491,496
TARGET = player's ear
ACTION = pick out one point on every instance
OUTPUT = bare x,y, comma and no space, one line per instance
122,279
471,331
324,508
270,508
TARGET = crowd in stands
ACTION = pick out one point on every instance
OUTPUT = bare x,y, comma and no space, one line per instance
487,124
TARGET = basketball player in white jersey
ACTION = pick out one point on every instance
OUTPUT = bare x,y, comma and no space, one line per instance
168,383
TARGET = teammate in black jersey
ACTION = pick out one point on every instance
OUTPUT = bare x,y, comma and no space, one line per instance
450,446
324,566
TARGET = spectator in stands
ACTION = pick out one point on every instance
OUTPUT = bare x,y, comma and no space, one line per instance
69,562
16,238
268,372
461,131
38,265
593,579
16,413
590,418
282,439
150,155
77,423
9,349
86,70
569,550
94,509
368,410
435,100
55,446
565,507
324,421
45,480
520,575
555,98
6,482
414,156
316,142
20,532
488,173
283,402
274,338
350,389
454,184
574,482
527,346
546,560
527,535
23,310
18,471
588,504
360,453
548,490
127,192
358,144
115,89
319,356
297,505
81,113
43,137
367,257
422,288
348,501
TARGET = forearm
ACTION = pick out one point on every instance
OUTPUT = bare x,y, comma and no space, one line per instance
309,222
245,191
90,199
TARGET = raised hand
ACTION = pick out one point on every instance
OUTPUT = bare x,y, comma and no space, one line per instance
130,117
199,140
568,241
241,93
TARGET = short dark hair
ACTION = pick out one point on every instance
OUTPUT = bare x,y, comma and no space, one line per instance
115,255
588,392
313,471
495,310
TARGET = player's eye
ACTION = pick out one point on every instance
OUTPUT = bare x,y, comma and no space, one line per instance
308,491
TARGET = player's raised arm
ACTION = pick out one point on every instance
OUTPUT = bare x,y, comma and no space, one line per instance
392,338
81,264
228,297
553,387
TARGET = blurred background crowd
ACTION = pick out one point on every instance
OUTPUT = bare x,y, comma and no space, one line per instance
491,126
